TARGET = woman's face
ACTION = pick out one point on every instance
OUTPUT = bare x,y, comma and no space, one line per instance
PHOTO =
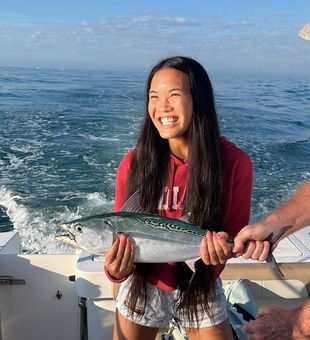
170,104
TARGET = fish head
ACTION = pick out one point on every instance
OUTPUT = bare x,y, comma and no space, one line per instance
67,237
94,238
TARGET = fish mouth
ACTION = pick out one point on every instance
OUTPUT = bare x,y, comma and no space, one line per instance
66,235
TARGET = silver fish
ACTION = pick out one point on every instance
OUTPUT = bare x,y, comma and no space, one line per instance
157,239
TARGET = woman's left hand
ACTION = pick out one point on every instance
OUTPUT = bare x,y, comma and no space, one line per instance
214,248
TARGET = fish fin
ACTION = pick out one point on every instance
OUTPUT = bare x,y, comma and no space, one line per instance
192,264
133,204
274,265
273,239
185,218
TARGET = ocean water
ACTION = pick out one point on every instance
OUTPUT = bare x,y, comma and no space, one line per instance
64,132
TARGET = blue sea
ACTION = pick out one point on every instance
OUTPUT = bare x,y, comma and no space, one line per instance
63,134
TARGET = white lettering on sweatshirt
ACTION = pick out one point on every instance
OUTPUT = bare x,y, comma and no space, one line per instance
165,202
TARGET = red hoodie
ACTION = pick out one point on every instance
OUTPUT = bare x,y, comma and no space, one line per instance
238,178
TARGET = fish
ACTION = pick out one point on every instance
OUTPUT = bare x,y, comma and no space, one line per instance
157,239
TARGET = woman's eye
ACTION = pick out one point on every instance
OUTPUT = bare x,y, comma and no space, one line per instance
175,94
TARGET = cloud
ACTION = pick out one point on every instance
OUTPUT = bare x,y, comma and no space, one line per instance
139,40
169,21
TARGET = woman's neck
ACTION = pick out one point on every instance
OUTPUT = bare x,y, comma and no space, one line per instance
179,148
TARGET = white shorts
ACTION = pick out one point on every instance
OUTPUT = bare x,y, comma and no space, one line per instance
161,308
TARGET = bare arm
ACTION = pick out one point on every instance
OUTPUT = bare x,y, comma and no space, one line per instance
295,212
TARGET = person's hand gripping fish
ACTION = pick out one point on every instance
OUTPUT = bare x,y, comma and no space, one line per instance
215,248
119,261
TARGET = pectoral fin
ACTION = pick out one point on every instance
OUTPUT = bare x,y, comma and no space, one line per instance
192,264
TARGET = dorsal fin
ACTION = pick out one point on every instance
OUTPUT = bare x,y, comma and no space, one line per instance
133,204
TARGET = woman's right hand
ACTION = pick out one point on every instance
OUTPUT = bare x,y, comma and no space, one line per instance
119,260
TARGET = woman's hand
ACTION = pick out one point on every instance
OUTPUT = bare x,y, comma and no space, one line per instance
214,248
119,260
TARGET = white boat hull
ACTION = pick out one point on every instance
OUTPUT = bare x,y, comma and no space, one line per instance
46,306
49,306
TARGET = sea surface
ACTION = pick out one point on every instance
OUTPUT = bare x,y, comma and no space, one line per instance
64,132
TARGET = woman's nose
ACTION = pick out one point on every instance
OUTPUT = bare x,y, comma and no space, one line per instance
164,104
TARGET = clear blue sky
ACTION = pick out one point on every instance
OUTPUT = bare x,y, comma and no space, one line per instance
227,35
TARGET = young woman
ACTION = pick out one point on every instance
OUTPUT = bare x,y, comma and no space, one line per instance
180,164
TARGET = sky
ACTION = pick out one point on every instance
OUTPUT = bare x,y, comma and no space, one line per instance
224,35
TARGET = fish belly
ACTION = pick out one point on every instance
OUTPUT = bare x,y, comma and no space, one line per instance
161,251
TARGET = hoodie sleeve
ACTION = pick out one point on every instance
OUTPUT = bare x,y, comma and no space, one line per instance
121,178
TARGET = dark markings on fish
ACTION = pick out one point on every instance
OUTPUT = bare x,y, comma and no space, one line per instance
170,227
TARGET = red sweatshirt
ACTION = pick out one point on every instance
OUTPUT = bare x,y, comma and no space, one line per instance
238,178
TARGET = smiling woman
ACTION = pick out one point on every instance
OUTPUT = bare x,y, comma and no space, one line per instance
180,165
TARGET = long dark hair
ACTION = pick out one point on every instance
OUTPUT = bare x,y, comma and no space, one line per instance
204,191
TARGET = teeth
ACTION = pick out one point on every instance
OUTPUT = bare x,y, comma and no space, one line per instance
168,120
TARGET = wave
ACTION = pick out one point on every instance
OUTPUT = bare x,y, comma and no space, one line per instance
37,226
17,212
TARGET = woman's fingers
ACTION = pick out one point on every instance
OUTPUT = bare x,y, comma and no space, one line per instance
110,256
222,239
119,260
127,256
214,248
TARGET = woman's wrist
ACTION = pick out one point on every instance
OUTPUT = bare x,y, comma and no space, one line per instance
118,280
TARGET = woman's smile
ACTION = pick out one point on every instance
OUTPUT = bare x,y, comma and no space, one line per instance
168,121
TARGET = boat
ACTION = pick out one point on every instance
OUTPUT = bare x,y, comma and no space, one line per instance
68,297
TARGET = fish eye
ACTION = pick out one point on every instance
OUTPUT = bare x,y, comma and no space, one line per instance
78,228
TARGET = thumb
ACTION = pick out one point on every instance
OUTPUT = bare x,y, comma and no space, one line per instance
244,235
238,246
